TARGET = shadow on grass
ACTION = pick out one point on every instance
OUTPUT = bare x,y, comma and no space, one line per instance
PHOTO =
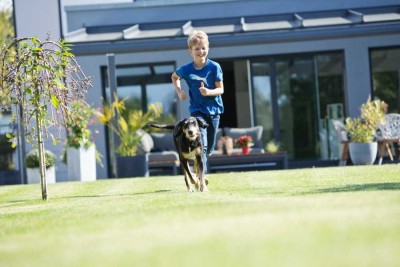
360,187
82,196
116,195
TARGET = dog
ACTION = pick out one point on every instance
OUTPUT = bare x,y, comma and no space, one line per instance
189,146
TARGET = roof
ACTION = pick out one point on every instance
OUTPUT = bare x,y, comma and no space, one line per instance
272,27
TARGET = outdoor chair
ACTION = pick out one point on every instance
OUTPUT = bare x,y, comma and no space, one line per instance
343,139
389,133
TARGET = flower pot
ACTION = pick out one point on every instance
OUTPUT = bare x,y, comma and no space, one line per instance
363,153
33,175
134,166
81,163
245,150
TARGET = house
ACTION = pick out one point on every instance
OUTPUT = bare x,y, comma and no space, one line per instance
291,66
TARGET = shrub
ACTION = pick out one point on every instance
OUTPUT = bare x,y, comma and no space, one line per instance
32,159
363,128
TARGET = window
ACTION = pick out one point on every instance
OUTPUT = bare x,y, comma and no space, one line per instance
296,98
142,85
385,65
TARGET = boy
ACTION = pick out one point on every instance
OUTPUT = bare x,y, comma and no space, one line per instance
204,78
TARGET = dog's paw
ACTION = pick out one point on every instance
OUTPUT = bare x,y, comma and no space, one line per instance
190,190
205,179
205,189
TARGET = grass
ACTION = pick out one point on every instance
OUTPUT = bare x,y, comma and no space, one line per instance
341,216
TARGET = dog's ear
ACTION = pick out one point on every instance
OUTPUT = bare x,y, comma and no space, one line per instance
201,123
178,128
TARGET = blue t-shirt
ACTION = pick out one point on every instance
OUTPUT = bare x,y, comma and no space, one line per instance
209,74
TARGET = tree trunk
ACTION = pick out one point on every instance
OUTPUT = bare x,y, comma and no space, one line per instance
42,156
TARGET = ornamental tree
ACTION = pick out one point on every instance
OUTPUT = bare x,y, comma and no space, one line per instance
43,78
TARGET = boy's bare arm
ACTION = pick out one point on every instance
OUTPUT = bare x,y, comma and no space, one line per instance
218,90
177,84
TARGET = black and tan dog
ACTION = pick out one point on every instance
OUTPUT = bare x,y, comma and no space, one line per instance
188,144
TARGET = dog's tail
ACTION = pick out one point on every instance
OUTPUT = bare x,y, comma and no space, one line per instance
162,126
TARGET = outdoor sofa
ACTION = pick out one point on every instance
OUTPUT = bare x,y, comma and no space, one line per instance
162,154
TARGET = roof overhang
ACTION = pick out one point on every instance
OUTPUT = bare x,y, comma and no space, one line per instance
240,30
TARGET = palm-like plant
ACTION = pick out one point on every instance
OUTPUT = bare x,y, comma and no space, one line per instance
128,126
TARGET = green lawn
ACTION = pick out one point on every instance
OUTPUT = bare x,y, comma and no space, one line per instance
340,216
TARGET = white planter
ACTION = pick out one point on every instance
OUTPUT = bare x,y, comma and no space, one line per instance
33,175
81,164
363,153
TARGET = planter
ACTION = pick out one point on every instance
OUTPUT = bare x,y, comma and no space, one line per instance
81,163
135,166
363,153
245,150
33,175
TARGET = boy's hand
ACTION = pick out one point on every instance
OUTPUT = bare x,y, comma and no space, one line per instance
203,90
182,95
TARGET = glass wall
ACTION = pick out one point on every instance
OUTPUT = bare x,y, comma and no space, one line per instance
295,100
385,68
140,86
144,85
262,98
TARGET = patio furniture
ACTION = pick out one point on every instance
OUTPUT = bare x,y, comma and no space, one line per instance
343,139
254,161
162,155
233,134
389,133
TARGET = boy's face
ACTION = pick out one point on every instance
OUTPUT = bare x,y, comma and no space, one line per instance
199,51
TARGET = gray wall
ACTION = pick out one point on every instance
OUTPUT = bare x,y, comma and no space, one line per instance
37,18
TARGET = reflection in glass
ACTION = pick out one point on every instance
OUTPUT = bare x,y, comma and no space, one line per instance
262,99
309,95
385,77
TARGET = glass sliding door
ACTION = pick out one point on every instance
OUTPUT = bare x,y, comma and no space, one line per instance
144,85
385,65
330,84
295,100
141,86
297,106
262,98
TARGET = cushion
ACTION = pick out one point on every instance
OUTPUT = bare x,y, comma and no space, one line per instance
163,142
164,156
254,132
146,144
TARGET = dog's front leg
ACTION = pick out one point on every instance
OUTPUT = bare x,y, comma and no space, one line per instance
187,173
200,173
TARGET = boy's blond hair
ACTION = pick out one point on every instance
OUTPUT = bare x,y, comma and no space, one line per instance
195,37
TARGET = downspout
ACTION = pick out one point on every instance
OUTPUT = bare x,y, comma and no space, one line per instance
20,128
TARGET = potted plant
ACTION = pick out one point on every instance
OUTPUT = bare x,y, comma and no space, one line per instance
32,163
361,130
272,146
129,128
80,151
245,142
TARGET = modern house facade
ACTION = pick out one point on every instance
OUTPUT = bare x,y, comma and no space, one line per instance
290,66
